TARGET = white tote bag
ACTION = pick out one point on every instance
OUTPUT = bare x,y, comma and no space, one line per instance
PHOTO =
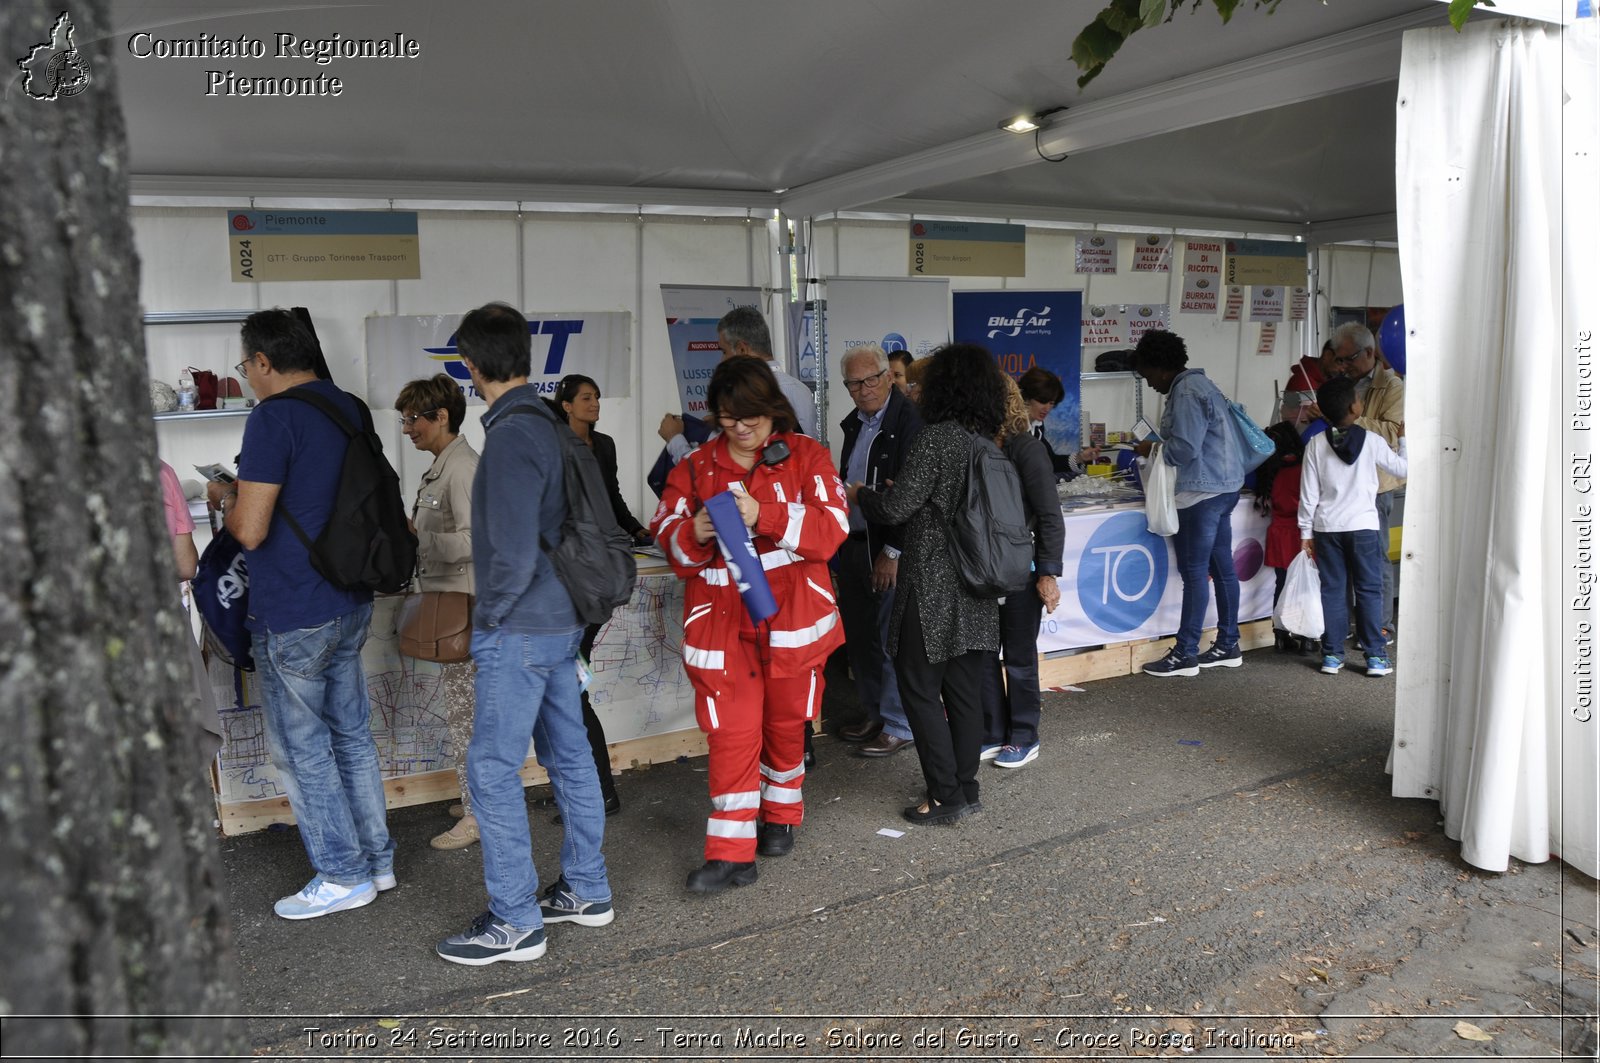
1299,609
1160,494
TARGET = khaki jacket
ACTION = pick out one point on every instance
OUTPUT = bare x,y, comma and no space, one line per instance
1384,413
443,515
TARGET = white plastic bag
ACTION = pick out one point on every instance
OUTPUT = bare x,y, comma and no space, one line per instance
1160,494
1299,609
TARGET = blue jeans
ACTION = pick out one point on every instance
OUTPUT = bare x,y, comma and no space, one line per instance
1342,558
1204,545
528,688
319,732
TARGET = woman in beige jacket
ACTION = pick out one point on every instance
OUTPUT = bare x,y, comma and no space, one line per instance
430,415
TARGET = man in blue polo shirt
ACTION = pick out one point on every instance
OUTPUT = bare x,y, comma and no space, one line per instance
306,634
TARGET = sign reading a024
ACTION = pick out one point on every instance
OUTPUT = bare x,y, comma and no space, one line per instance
323,245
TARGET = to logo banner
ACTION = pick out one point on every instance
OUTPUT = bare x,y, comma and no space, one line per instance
1120,583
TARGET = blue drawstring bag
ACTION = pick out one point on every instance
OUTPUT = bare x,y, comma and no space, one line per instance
221,587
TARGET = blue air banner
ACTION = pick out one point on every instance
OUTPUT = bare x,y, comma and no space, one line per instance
594,343
692,315
1025,329
1121,583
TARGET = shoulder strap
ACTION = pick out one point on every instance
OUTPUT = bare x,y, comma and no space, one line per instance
323,403
326,405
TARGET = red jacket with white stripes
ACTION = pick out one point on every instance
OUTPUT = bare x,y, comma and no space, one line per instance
804,517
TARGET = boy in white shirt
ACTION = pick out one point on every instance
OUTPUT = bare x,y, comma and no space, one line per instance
1339,522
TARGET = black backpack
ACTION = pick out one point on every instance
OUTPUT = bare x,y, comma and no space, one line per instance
594,559
989,538
367,543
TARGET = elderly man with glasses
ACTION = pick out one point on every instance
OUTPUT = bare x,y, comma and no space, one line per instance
877,434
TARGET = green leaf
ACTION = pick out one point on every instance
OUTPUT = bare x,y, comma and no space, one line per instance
1151,12
1461,9
1225,8
1095,46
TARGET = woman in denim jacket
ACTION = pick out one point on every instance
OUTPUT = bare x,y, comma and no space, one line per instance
1199,440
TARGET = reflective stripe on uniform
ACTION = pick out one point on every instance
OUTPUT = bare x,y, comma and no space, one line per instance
695,657
735,801
715,577
797,522
781,795
768,771
731,828
805,636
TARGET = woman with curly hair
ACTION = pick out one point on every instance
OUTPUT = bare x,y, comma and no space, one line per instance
943,638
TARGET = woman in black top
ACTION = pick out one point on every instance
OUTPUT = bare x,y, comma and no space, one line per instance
1011,711
942,636
578,397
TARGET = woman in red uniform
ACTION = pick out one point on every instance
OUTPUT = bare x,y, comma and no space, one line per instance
754,685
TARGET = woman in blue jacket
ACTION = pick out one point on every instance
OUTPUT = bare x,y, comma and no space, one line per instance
1198,441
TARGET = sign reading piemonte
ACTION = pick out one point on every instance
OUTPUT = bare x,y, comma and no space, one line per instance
968,249
324,245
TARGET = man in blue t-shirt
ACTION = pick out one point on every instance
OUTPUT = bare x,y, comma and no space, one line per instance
307,634
525,636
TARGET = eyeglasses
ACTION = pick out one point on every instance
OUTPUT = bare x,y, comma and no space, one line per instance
240,368
743,422
853,386
409,419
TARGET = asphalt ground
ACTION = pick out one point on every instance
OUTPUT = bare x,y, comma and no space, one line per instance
1192,867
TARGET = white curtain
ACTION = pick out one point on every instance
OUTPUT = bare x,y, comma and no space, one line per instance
1496,181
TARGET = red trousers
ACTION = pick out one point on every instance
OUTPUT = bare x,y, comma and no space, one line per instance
753,730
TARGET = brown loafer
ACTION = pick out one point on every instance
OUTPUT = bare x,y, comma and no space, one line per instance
865,731
885,745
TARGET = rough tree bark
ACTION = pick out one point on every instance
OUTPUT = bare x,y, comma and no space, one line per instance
114,930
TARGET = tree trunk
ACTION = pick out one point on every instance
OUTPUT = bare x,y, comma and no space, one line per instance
110,910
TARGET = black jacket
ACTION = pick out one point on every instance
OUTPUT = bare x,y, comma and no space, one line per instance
605,452
1032,459
901,423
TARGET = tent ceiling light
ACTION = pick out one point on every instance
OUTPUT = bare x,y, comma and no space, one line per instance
1027,123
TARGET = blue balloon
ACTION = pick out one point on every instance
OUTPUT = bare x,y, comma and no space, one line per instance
1392,338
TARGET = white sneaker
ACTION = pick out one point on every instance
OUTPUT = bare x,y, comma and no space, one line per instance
321,897
384,882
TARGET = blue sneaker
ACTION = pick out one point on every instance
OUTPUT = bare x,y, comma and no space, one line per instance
490,939
1379,666
989,752
1220,656
1173,664
1017,756
560,905
321,897
1331,664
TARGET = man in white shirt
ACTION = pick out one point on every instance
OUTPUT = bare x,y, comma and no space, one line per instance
1338,521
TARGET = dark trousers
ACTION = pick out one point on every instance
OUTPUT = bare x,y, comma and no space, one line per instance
591,722
1344,558
1011,714
866,627
948,732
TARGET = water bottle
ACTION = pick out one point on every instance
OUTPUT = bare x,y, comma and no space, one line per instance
186,392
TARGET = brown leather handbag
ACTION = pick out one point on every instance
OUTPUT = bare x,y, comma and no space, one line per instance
437,626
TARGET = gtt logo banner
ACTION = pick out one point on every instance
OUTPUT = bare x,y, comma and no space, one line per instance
1121,583
596,344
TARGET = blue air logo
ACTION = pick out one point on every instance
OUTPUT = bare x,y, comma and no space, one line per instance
1025,319
558,330
1122,573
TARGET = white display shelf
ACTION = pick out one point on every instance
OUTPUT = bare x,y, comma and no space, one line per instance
199,415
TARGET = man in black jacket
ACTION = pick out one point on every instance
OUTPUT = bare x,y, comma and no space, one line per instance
877,435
